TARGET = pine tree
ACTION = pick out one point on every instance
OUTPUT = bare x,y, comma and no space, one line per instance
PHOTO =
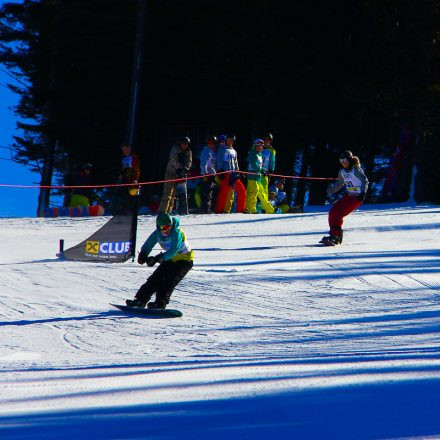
28,50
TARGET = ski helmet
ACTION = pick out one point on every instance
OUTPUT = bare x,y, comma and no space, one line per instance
185,140
222,138
345,154
231,136
163,220
258,141
212,139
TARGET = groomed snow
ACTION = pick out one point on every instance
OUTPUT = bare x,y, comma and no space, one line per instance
280,337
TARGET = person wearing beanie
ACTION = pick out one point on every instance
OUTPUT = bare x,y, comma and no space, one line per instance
174,263
254,188
351,177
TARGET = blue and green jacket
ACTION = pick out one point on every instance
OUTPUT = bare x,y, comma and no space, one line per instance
269,159
255,165
175,245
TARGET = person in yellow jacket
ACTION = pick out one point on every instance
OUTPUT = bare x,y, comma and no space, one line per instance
174,263
254,188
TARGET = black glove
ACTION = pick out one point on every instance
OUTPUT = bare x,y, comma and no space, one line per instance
159,258
331,198
151,261
181,172
142,257
265,173
361,197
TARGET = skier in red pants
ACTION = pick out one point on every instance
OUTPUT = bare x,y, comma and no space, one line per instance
352,177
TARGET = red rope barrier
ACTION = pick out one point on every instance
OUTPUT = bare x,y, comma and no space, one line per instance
154,182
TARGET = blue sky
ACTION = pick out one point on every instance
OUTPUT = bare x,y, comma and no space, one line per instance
13,202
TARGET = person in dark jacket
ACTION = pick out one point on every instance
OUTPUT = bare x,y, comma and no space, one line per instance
208,163
82,197
125,198
178,166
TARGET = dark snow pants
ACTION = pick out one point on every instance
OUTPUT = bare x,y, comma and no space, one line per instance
207,194
164,280
340,209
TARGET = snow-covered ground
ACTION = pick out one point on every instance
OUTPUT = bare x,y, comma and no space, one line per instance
279,337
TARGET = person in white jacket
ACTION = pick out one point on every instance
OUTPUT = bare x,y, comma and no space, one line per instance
352,178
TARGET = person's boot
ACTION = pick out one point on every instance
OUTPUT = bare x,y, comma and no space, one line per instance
135,303
331,240
156,305
334,240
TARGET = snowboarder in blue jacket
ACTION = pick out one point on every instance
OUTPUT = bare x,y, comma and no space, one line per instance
174,263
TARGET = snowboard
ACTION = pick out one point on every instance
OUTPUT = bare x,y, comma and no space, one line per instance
162,313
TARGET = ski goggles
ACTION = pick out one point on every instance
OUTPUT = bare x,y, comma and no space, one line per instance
165,228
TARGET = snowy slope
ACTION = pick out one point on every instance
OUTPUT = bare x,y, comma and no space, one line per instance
279,336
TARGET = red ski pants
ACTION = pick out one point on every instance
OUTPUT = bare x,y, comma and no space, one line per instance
340,209
225,189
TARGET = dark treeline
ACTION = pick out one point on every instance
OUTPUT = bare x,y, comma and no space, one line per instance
320,76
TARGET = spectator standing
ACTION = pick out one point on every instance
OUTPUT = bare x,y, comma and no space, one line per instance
125,198
254,188
81,197
268,155
230,183
131,168
178,166
221,148
208,162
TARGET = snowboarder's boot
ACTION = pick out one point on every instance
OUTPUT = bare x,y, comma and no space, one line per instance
156,305
331,240
325,239
334,240
135,303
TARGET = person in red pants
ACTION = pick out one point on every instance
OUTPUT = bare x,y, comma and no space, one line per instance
352,177
230,182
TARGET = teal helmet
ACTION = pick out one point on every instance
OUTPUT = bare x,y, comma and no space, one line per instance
164,220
